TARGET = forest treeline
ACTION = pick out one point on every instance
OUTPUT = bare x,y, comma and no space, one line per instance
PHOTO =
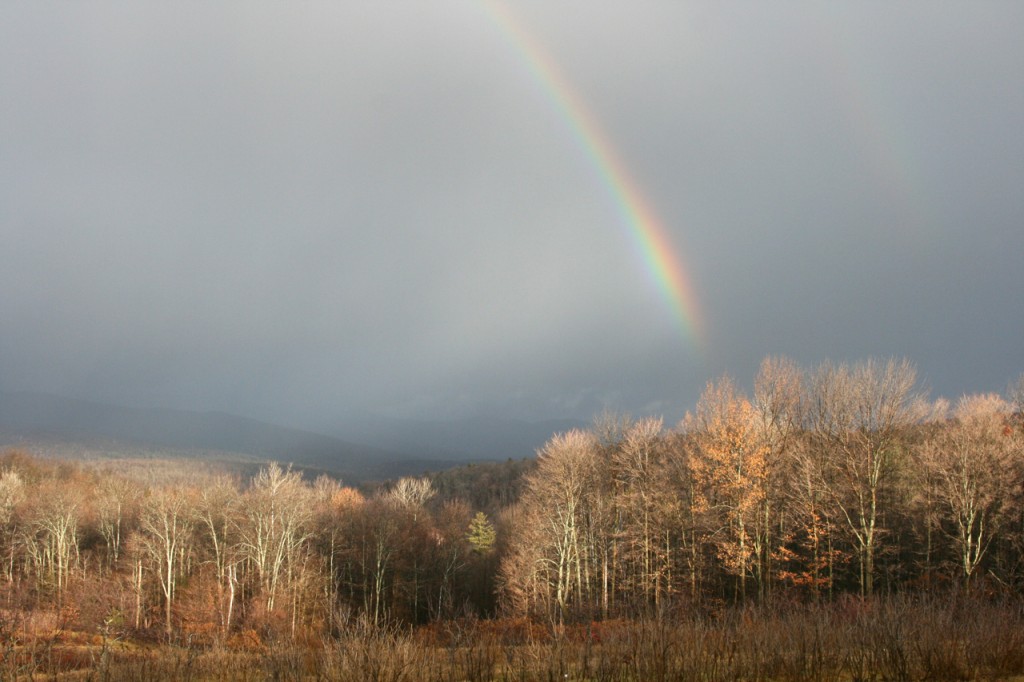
841,479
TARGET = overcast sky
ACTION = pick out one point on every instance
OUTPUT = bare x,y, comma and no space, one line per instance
302,211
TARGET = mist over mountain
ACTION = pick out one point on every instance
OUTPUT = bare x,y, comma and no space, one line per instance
31,417
368,447
39,413
469,438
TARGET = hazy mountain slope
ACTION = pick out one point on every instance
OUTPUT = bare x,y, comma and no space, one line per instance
465,439
393,447
34,415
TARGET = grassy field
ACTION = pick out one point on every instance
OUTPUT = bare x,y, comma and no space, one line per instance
894,639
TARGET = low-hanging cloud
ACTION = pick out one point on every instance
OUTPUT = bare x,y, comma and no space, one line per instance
298,213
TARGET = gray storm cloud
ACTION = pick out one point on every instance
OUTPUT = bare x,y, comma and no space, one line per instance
299,212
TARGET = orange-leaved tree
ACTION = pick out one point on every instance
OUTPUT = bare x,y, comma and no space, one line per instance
730,470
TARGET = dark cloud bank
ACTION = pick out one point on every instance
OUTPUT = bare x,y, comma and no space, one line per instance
309,213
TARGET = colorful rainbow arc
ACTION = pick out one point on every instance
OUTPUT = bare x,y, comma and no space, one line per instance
660,258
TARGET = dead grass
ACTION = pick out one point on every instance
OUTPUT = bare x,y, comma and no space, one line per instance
894,639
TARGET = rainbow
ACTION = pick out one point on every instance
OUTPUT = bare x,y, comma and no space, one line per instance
661,259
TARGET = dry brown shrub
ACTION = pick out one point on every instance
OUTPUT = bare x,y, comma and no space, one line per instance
247,640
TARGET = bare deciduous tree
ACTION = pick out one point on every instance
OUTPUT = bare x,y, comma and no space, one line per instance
165,535
411,493
51,534
975,462
217,516
779,404
275,528
551,559
116,504
858,414
640,505
12,493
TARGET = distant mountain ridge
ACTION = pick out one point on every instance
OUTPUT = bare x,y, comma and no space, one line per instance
369,447
28,415
485,438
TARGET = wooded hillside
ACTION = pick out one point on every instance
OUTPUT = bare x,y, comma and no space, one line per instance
835,480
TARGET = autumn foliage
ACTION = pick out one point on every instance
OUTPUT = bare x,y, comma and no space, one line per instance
802,502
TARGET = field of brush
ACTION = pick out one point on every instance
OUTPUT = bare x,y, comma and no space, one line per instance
886,639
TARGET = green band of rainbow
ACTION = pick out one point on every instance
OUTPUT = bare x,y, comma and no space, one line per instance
661,260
